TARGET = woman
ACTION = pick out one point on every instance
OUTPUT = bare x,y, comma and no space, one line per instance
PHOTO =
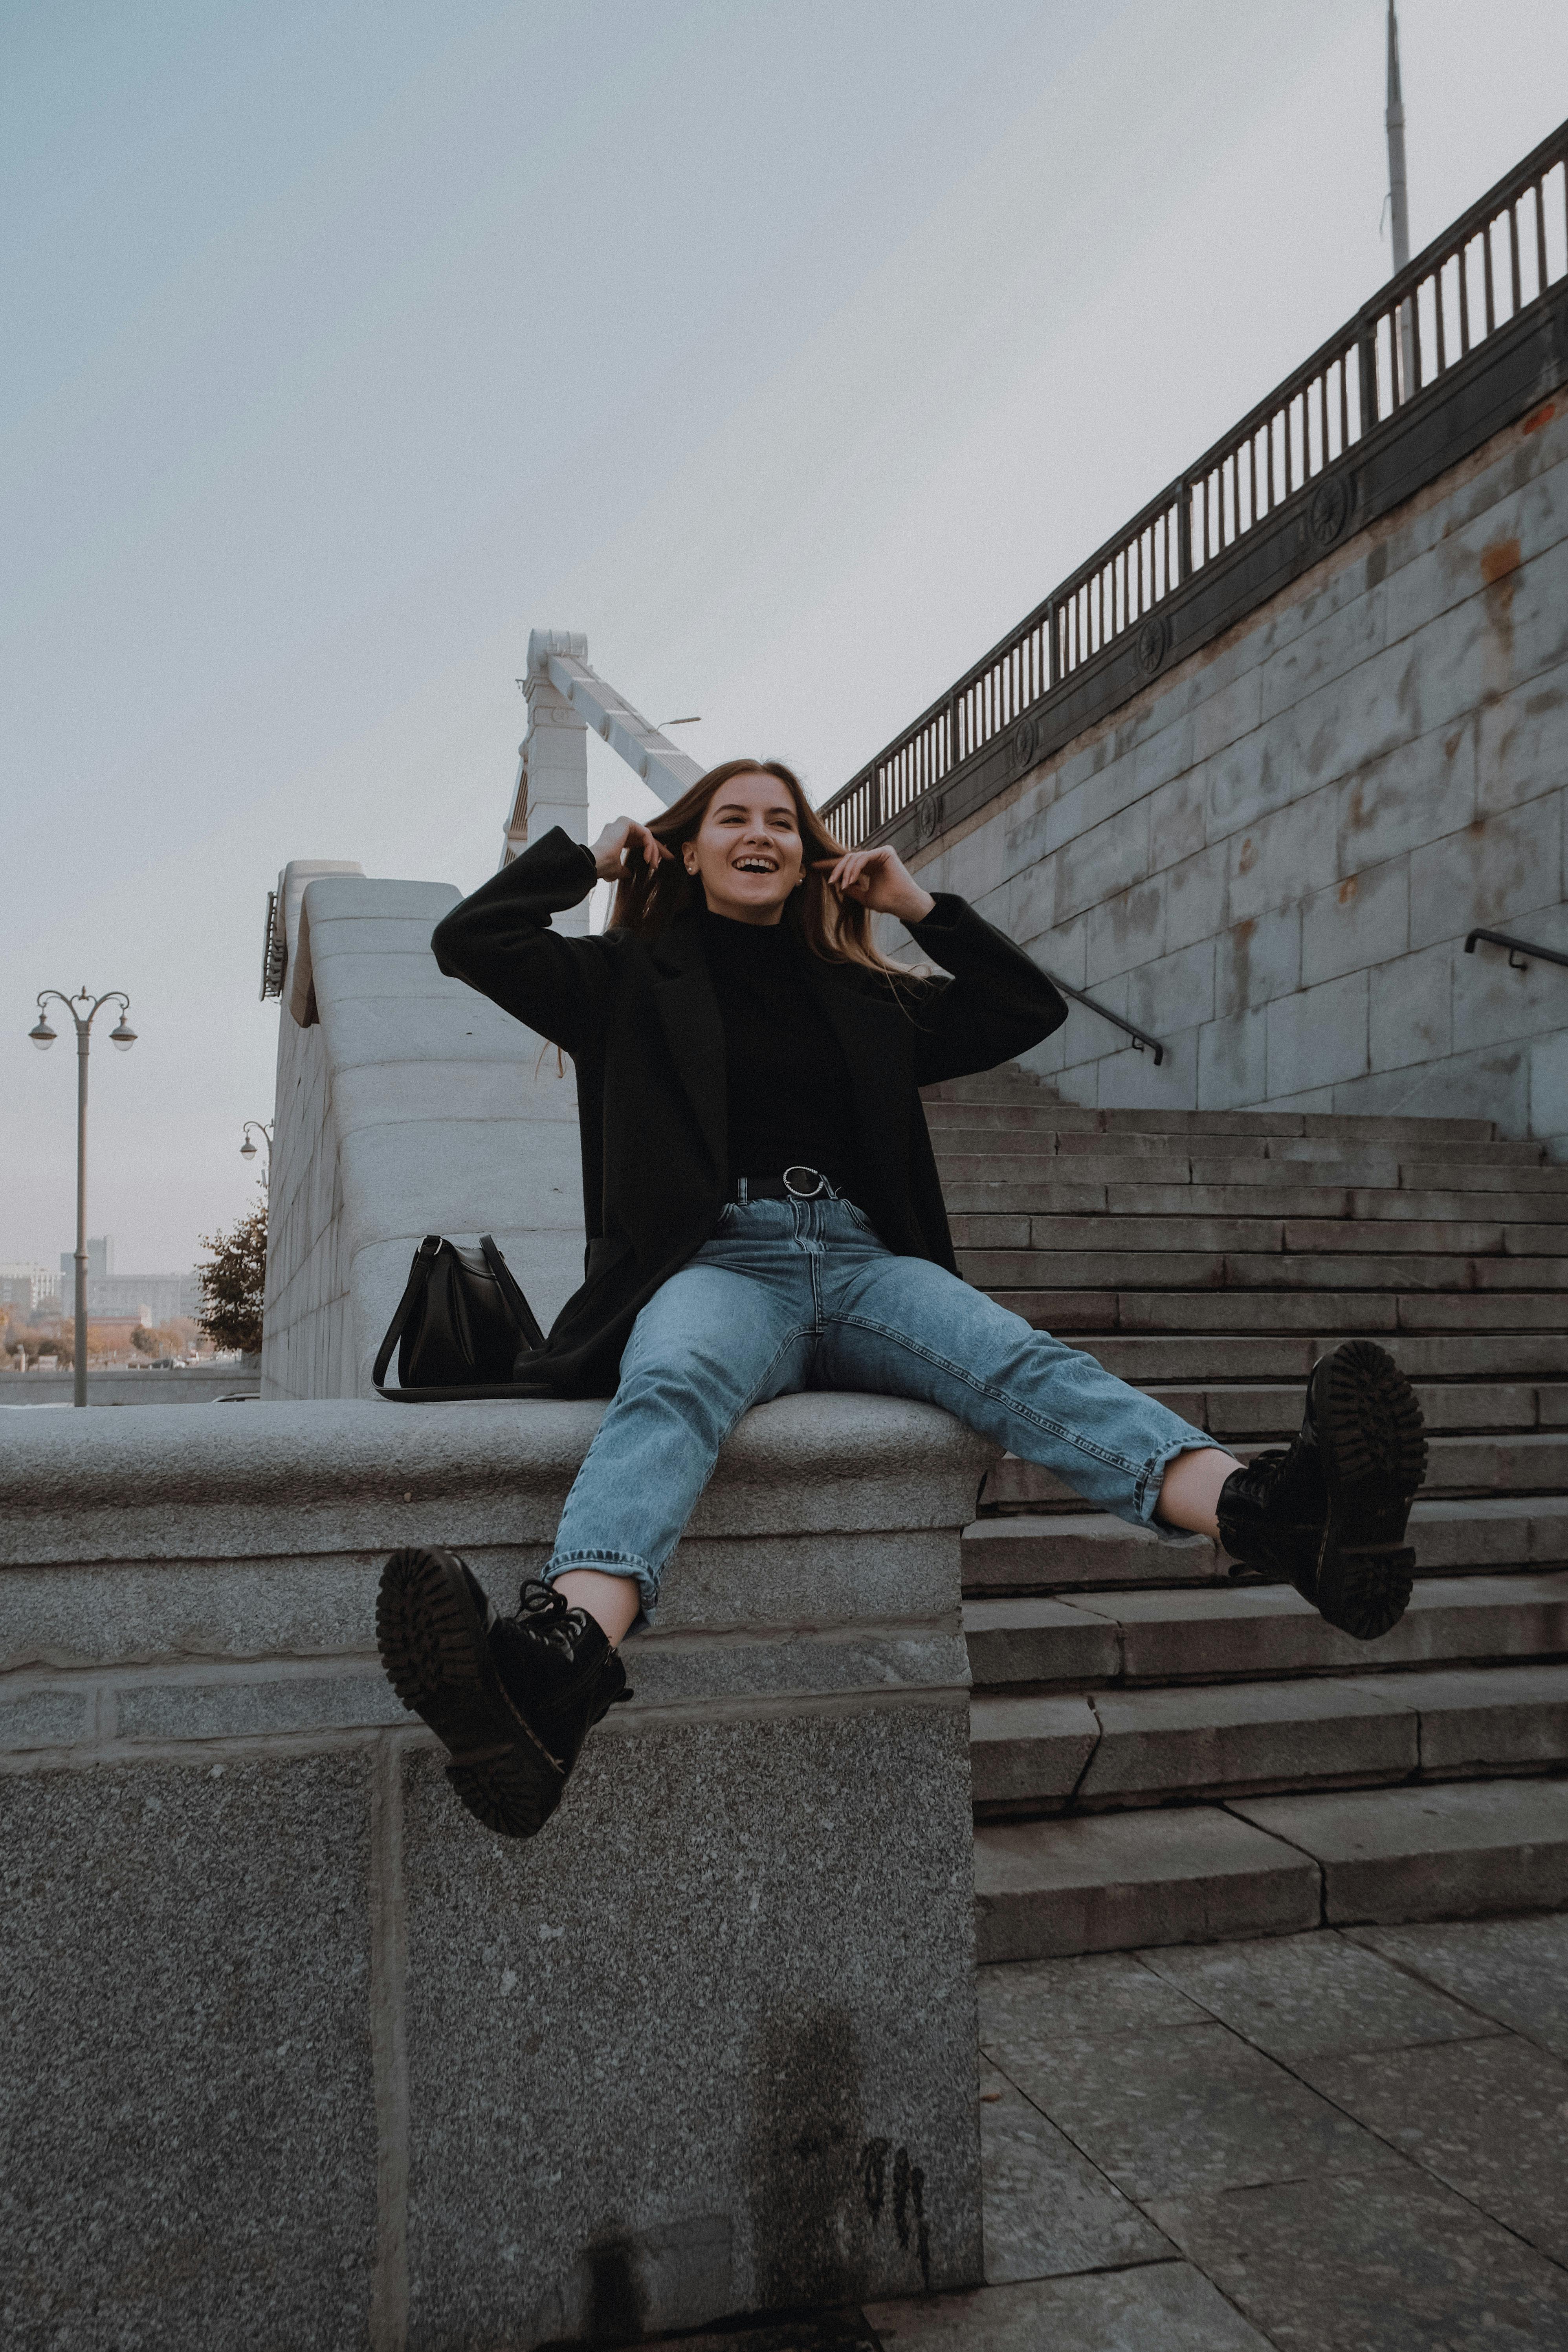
764,1215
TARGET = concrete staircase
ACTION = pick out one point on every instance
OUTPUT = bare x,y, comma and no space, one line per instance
1161,1754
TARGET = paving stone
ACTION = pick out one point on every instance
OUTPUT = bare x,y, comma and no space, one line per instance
1050,2211
1107,1882
1428,1853
1314,1995
1387,2261
1162,2307
1168,2111
1515,1971
1077,2004
1488,2117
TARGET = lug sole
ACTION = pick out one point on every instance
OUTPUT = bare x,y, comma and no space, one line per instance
435,1652
1374,1447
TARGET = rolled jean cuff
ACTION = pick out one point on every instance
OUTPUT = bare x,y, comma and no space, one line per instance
612,1563
1146,1492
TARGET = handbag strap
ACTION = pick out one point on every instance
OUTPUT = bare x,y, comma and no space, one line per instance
507,1284
419,1273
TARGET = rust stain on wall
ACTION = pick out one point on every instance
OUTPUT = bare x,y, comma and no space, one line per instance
1498,558
1540,417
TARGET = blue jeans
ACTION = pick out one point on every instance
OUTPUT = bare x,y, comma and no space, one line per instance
792,1295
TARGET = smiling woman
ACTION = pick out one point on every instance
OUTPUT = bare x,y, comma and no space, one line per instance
764,1215
750,839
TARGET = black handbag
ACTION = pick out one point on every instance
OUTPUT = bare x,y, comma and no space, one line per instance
463,1321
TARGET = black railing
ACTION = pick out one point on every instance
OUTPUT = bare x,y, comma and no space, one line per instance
1141,1037
1493,263
1519,950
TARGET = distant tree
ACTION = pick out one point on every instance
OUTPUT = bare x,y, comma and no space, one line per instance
233,1281
49,1339
160,1339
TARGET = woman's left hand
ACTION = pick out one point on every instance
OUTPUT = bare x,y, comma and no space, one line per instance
879,880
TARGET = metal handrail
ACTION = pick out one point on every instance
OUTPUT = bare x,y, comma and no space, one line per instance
1474,279
1519,950
1141,1037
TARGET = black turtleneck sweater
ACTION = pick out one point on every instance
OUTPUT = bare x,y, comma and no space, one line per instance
789,1099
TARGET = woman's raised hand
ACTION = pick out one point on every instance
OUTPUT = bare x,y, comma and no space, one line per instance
622,834
878,880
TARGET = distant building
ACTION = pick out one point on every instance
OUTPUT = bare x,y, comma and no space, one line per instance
152,1298
99,1260
29,1286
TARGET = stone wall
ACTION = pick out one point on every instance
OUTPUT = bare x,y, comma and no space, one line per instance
191,1384
1270,857
299,2056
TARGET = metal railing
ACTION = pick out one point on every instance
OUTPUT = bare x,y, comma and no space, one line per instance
1519,950
1141,1037
1494,262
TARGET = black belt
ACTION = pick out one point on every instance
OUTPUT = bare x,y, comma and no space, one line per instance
797,1183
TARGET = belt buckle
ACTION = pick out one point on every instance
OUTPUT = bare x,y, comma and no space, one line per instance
799,1193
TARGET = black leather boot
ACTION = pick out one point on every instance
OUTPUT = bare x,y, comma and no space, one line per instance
511,1698
1329,1511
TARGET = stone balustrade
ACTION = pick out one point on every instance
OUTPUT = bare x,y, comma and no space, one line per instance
301,2055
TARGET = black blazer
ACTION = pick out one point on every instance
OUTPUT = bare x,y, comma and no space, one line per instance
639,1018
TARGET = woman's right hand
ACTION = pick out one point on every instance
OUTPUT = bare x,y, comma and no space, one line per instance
622,834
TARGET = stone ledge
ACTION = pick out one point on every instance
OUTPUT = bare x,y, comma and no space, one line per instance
326,1476
763,1864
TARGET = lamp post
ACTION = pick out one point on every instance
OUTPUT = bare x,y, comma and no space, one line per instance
123,1036
247,1149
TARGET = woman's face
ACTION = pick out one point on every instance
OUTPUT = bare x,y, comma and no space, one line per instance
747,852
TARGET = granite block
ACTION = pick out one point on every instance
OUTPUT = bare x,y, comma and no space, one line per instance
190,2122
768,1993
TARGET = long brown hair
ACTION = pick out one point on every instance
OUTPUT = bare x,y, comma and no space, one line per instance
649,899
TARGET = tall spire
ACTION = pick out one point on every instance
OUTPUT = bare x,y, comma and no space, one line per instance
1394,122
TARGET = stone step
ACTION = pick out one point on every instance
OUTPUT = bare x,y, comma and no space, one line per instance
1137,1235
1251,1313
1082,1189
1246,1631
1269,1865
1431,1138
1447,1407
1516,1461
1073,1551
1119,1747
1018,1186
1040,1271
1026,1141
1200,1358
1077,1549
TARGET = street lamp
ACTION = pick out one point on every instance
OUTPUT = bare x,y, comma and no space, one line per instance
247,1149
123,1036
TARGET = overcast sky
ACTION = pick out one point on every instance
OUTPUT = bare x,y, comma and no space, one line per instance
792,349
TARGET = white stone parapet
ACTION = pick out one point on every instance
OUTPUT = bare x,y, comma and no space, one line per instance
410,1105
302,2046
